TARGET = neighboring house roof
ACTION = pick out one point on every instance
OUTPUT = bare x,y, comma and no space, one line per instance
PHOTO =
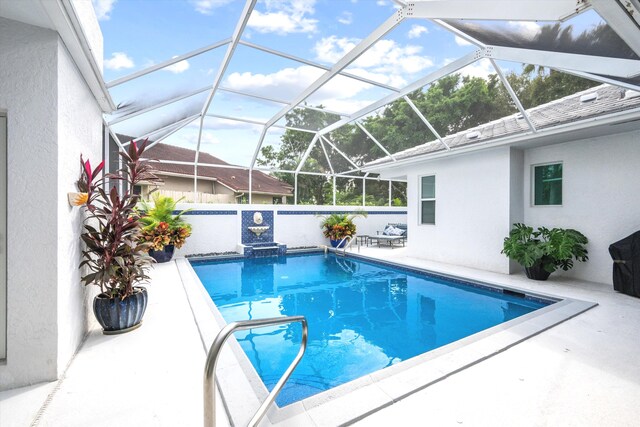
610,99
235,179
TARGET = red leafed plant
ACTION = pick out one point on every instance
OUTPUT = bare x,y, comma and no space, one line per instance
114,256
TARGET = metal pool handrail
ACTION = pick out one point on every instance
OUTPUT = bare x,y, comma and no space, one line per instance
212,361
349,240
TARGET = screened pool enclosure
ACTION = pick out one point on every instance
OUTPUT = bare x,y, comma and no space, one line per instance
278,87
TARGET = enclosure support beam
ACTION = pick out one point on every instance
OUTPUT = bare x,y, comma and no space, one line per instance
617,67
231,48
340,152
426,122
306,153
366,132
278,101
164,128
167,135
344,62
418,84
521,10
601,79
364,189
390,192
513,95
317,65
168,62
156,106
295,188
622,19
334,190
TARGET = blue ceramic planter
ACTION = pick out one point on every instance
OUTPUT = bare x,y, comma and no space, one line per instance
117,316
337,244
164,255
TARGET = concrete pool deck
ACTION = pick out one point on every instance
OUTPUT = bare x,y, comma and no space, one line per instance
581,372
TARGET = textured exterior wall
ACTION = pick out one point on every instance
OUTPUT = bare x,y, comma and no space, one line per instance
52,118
600,195
79,131
28,91
473,210
217,228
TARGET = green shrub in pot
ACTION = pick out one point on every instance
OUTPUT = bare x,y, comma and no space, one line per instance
543,251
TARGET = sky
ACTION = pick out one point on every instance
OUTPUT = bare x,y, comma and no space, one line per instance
140,33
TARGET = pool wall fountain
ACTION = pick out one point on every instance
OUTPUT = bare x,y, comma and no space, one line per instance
257,235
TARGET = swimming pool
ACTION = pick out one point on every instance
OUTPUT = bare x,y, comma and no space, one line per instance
363,316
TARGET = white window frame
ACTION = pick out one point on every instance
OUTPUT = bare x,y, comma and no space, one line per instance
532,190
427,199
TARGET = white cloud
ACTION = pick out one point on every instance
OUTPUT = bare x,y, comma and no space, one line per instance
386,56
481,68
178,67
345,18
288,83
206,7
461,42
118,61
529,29
381,2
416,31
103,8
284,17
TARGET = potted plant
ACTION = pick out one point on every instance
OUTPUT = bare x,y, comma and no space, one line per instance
337,226
163,230
543,251
116,260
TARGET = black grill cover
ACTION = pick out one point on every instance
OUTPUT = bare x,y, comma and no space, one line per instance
626,264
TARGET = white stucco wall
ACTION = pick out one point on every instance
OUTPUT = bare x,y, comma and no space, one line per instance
600,195
79,131
221,233
52,118
28,92
473,209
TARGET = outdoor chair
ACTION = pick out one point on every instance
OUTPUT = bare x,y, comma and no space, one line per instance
391,235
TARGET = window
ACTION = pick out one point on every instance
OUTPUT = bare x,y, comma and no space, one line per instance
277,200
547,184
428,199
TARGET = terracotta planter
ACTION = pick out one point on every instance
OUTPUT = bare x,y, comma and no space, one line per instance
118,316
164,255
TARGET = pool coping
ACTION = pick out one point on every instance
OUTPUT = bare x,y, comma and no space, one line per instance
243,391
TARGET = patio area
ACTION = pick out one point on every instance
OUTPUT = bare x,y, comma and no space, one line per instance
441,129
582,372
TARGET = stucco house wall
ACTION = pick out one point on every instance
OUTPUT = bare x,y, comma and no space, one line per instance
600,195
481,194
52,118
473,210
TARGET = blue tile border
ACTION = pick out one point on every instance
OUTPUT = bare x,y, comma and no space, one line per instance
201,212
340,212
456,280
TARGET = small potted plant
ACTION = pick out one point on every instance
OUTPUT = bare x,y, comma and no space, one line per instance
543,251
337,226
163,230
116,260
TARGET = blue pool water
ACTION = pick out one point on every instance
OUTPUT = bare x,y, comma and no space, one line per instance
362,316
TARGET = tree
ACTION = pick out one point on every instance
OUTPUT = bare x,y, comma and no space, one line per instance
452,104
311,188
